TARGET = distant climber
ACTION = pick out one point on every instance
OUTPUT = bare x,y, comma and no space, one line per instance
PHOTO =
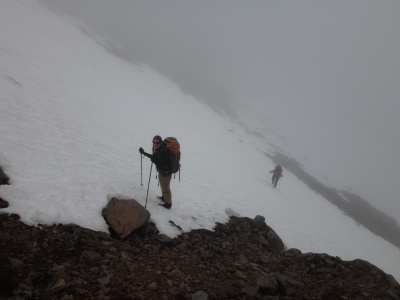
277,174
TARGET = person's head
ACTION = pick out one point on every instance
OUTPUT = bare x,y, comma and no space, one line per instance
157,141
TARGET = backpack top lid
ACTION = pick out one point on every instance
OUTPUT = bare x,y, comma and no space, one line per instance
173,144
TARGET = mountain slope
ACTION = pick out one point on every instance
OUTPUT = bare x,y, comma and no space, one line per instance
72,118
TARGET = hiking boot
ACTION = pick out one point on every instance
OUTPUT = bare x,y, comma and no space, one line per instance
166,205
161,198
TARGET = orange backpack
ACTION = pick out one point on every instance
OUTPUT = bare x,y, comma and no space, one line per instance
175,149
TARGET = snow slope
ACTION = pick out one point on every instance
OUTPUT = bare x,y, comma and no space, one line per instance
73,116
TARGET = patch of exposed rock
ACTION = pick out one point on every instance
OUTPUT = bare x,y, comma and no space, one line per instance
242,259
4,179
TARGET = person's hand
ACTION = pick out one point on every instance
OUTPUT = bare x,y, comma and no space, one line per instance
141,150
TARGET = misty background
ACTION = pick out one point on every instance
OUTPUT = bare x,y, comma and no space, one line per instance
324,76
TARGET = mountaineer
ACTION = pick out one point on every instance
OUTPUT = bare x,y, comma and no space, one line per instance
166,157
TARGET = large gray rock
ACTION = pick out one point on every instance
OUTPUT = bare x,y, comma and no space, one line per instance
125,216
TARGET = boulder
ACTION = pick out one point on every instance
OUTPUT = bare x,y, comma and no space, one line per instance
259,222
274,240
3,177
125,216
3,203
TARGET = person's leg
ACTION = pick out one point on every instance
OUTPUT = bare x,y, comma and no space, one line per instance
165,187
276,181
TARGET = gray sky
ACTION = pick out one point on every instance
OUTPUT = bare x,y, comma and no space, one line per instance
324,73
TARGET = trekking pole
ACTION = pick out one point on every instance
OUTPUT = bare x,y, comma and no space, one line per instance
141,169
148,185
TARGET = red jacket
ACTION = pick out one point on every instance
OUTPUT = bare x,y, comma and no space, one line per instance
277,171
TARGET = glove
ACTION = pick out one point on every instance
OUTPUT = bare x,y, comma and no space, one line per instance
141,150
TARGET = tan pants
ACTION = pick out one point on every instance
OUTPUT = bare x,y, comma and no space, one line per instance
165,189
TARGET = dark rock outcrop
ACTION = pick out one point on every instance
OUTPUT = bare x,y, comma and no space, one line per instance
69,262
4,179
3,203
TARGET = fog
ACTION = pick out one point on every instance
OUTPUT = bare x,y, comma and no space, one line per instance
325,75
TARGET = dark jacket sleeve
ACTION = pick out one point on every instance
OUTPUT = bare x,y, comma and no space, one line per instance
161,158
147,154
